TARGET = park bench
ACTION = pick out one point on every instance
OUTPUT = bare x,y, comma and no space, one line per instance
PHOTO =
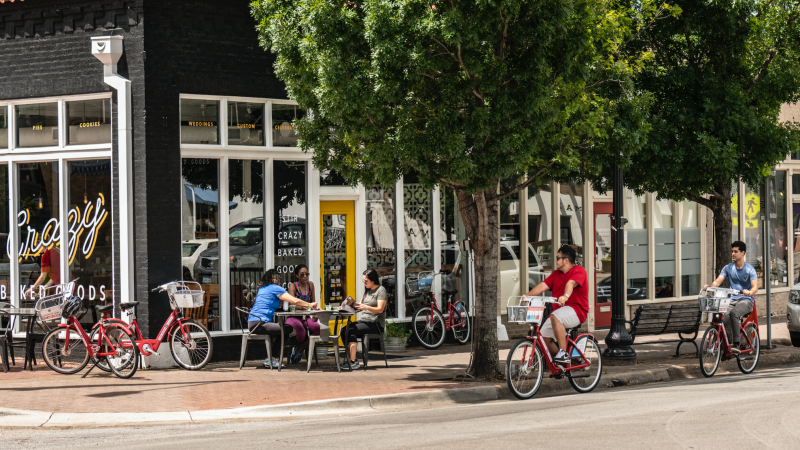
652,320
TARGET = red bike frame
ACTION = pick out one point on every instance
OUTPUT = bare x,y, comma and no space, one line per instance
451,308
722,335
150,346
92,349
555,369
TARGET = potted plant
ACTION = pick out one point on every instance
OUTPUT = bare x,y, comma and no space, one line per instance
396,337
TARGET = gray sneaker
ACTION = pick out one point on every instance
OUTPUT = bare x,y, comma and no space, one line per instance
735,348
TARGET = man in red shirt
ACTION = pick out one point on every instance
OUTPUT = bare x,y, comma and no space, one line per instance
568,283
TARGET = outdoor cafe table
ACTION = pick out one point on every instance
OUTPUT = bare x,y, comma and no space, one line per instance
30,313
338,315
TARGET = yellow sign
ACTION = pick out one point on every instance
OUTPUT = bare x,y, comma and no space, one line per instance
751,223
735,203
752,205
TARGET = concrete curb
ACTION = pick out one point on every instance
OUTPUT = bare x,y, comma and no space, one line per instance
440,398
426,399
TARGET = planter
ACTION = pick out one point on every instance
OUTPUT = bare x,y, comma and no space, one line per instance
321,351
394,344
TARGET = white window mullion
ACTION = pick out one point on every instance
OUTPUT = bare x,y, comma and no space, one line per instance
269,216
13,203
790,226
223,122
268,125
677,282
224,248
435,243
651,246
312,228
12,126
62,123
400,234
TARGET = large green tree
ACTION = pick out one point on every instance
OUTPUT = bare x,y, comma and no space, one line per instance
464,94
721,72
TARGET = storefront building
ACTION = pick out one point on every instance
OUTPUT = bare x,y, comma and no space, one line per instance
196,174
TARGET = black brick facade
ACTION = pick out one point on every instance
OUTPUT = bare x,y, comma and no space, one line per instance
171,47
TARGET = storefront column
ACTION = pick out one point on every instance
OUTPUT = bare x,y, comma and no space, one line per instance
224,248
63,212
555,221
790,228
400,258
523,243
312,227
13,234
436,243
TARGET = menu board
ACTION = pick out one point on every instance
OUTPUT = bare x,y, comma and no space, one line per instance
334,258
335,283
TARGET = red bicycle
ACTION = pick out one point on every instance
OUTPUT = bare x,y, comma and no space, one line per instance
715,345
189,342
67,348
430,325
524,367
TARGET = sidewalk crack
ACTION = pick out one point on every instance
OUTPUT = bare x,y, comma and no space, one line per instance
48,420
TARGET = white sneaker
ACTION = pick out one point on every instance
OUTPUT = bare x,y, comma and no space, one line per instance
562,357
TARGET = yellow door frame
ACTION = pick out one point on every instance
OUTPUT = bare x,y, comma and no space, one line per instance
346,208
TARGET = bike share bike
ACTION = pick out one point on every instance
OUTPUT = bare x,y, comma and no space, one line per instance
429,325
67,348
715,344
189,341
524,367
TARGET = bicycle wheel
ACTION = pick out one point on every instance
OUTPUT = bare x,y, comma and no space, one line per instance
125,359
747,362
459,315
428,327
710,352
524,370
101,363
582,383
193,350
62,355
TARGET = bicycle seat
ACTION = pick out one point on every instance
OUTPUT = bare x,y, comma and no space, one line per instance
128,305
103,309
450,291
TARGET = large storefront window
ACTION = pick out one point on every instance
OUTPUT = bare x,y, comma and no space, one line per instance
246,231
3,126
90,238
290,218
199,121
284,131
777,231
381,242
199,233
418,251
5,259
636,247
664,246
540,233
510,251
37,125
753,231
571,205
690,249
455,262
38,225
245,123
89,122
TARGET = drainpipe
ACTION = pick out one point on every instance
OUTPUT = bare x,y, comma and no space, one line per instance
108,49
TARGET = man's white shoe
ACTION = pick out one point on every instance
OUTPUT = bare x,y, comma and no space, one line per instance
562,357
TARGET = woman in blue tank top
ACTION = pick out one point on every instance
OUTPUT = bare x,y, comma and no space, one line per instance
303,289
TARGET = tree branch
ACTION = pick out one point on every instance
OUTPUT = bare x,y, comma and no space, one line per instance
771,57
522,186
708,203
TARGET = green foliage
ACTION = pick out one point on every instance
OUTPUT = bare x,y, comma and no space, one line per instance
397,330
720,73
464,93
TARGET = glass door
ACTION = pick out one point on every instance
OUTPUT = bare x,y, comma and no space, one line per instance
338,251
602,264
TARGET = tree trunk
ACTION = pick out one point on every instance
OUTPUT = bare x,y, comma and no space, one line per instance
481,221
723,225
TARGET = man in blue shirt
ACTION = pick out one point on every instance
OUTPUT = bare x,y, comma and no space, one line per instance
742,277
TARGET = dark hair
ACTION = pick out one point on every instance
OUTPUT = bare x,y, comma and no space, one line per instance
372,275
270,277
740,245
298,268
568,252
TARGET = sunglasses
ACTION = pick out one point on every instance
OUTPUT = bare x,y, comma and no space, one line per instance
561,257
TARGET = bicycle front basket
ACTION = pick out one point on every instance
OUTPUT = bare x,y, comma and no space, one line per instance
714,304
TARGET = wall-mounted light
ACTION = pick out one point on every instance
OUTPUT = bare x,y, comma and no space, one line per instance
40,200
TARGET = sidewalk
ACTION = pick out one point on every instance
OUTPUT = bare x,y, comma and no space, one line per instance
224,386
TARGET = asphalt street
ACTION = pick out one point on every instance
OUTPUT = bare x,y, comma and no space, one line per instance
761,410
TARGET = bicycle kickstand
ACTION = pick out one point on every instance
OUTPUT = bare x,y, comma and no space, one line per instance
90,369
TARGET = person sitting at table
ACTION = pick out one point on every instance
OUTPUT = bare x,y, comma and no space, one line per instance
262,315
372,312
303,289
